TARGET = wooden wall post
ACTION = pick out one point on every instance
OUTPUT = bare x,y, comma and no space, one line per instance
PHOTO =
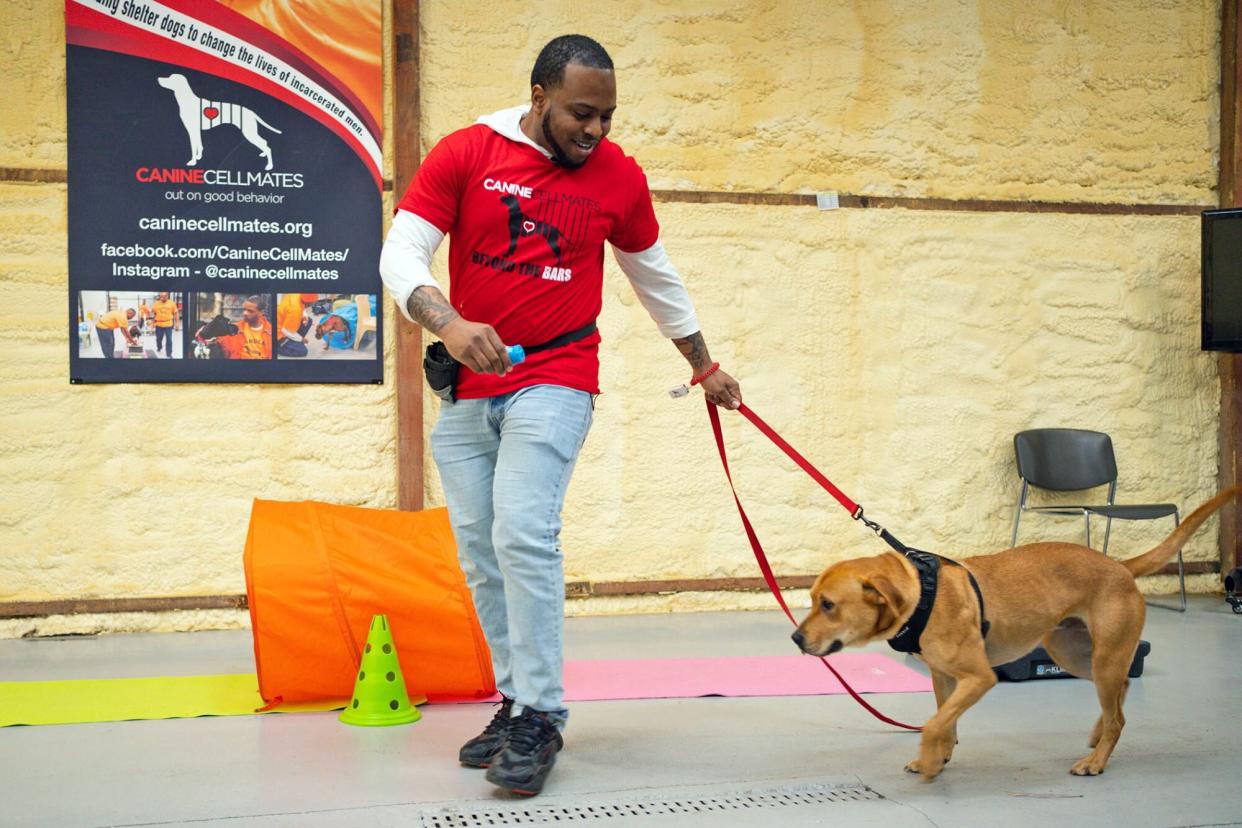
407,155
1230,364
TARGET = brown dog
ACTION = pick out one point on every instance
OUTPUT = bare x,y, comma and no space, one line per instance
331,324
1082,606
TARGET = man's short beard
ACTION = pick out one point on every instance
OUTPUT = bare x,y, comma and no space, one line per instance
558,154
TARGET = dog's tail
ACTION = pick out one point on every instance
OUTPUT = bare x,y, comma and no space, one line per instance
266,124
1150,561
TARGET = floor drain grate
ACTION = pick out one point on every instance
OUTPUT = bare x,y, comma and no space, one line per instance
486,817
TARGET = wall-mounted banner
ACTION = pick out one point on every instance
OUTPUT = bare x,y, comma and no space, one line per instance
224,190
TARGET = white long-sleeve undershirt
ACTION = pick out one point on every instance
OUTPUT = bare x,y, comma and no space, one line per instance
405,265
405,260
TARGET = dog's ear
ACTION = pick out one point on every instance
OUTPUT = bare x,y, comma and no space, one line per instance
878,589
882,592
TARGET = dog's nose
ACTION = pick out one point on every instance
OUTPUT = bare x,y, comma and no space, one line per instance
798,638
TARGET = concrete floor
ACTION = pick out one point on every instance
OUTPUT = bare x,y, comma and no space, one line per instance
681,762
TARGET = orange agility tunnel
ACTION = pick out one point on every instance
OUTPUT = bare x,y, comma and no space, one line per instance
317,573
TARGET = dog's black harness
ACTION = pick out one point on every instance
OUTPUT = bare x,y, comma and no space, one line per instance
928,565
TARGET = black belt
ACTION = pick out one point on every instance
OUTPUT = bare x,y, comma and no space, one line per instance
564,339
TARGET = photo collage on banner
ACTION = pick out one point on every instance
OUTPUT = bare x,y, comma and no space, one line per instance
224,190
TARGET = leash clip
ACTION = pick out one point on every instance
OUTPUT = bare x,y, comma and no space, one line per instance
870,524
680,391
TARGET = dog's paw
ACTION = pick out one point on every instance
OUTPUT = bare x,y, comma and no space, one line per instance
928,770
1088,766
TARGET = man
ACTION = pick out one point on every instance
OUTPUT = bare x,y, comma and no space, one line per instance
166,317
530,195
293,323
106,327
253,339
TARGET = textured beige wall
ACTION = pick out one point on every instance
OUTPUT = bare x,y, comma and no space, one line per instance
899,350
1008,99
32,110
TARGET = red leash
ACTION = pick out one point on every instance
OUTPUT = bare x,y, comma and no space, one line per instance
850,506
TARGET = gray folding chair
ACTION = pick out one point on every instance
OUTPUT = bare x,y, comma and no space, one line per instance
1072,460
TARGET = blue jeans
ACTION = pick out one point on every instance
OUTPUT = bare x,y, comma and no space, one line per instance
165,336
288,348
107,342
505,463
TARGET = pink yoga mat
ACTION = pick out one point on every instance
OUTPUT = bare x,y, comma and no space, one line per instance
677,678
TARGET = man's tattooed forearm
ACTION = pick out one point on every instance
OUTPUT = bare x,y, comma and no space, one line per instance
430,309
694,349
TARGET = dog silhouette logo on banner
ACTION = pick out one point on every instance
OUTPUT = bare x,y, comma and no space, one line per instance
199,114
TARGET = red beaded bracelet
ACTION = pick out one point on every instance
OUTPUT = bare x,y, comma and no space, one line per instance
715,367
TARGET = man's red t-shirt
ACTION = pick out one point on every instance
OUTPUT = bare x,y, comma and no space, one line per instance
526,245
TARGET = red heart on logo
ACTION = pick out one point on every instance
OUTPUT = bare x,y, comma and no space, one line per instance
211,112
528,226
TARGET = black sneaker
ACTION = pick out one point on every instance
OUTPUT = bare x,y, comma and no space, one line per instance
527,755
478,752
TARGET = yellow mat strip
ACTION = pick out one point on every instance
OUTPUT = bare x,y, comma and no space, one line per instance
125,699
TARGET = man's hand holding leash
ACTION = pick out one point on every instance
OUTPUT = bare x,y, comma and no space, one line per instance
722,390
718,387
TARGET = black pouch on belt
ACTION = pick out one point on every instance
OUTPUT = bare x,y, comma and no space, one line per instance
441,371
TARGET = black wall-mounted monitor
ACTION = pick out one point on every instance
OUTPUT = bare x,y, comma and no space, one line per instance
1222,280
